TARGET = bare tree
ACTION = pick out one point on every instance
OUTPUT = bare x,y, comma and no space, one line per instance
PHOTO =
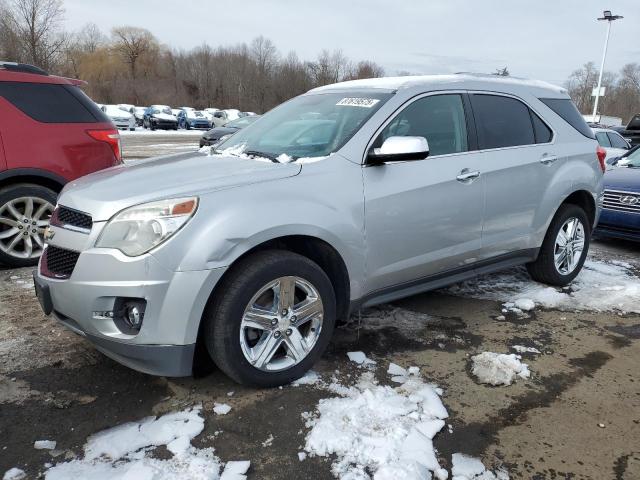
35,27
502,72
132,44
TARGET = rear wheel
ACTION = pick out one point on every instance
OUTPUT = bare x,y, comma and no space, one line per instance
564,249
271,319
25,211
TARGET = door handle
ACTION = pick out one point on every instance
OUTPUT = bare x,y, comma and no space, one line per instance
548,159
467,175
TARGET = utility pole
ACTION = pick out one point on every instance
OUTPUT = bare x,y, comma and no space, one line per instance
609,18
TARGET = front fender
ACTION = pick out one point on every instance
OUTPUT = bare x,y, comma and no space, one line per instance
324,201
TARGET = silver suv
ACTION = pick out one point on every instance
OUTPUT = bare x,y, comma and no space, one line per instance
345,197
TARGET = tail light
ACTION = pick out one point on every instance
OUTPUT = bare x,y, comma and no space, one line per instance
110,136
602,155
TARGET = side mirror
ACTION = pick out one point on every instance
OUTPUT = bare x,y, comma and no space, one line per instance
399,149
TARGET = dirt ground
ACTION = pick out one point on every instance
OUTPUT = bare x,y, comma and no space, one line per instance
577,417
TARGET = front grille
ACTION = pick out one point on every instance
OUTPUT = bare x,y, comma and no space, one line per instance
58,262
65,217
619,201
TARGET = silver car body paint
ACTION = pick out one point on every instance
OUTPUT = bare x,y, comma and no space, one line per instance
392,224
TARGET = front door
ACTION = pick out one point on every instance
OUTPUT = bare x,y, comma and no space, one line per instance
424,217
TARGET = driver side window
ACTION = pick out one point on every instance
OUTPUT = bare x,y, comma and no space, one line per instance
438,118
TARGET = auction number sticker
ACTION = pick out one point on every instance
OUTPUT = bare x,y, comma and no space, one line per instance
358,102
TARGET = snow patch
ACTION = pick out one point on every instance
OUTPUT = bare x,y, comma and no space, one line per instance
235,470
44,444
221,408
311,377
498,368
601,286
121,453
381,429
360,358
14,474
523,349
470,468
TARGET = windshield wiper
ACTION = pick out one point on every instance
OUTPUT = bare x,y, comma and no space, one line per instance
256,153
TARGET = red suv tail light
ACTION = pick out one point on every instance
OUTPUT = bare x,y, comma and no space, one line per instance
602,155
110,136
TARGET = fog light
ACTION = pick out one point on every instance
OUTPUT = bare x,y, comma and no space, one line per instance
129,314
133,316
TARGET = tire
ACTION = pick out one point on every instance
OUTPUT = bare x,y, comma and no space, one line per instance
544,269
226,312
187,126
13,200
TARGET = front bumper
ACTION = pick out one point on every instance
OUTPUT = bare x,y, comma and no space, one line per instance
175,303
619,224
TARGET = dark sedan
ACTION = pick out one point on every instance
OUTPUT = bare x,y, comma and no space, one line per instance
620,215
214,135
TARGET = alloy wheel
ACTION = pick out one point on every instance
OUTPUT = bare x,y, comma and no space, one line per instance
281,324
22,224
569,246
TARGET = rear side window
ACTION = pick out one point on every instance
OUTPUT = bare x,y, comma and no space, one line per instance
501,121
617,141
570,114
52,103
603,140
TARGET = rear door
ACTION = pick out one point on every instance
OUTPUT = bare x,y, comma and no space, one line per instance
518,160
420,219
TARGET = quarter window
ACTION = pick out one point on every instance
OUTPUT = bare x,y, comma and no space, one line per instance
502,121
438,118
542,131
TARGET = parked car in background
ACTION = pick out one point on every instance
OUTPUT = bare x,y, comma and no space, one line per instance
348,196
138,114
159,116
632,131
621,198
246,114
52,133
175,112
193,119
120,118
612,142
126,107
213,136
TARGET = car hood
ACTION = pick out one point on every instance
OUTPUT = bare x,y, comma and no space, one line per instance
105,193
622,178
163,116
219,132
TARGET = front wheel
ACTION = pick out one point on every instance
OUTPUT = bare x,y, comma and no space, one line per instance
271,320
564,249
25,211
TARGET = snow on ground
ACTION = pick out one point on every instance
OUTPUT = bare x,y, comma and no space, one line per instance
470,468
523,349
123,452
221,408
498,368
309,378
601,286
14,474
381,429
44,444
360,358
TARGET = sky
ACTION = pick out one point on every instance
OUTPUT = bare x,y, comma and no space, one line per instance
542,39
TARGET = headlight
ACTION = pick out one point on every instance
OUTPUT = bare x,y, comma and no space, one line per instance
138,229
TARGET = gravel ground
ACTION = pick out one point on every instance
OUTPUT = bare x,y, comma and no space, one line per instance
577,416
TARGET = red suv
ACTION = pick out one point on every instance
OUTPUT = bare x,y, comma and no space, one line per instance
50,133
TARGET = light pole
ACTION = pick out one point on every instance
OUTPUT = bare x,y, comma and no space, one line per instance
608,17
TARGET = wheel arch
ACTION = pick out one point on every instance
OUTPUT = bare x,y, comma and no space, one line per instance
584,200
33,176
314,248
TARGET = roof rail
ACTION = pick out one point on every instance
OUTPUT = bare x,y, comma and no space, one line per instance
22,68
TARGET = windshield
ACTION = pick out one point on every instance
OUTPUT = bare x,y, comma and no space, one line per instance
632,160
307,126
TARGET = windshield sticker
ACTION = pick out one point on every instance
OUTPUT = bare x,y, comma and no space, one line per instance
358,102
